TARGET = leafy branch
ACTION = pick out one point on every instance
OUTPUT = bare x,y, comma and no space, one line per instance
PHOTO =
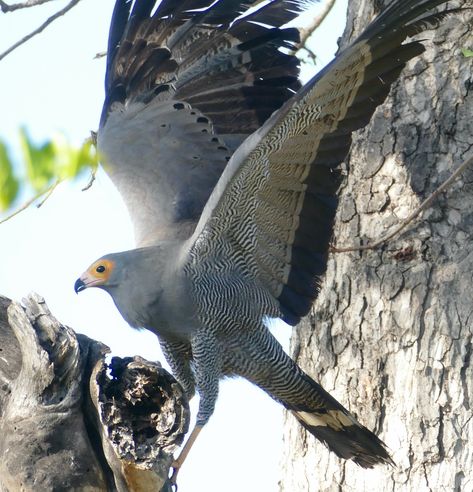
45,166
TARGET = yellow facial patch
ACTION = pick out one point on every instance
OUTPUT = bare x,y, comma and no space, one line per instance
101,270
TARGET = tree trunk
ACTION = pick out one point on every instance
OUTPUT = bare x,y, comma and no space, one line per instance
66,424
391,332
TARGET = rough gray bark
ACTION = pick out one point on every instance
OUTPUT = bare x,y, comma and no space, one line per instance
66,424
391,333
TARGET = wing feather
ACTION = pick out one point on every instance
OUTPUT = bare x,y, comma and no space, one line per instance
187,81
277,198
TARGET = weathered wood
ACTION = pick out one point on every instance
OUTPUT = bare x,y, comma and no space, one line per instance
143,415
66,424
391,333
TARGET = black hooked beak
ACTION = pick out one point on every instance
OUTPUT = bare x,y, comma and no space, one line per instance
79,286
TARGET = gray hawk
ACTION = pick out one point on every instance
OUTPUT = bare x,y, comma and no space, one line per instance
230,171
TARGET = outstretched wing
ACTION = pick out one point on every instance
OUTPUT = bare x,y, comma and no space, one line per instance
271,215
185,84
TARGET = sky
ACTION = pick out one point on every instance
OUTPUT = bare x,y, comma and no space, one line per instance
52,85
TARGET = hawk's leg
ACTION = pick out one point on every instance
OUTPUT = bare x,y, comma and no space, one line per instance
178,355
185,451
207,371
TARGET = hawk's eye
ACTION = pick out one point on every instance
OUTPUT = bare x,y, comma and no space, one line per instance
100,269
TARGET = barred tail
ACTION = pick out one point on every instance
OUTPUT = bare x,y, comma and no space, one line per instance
267,365
343,435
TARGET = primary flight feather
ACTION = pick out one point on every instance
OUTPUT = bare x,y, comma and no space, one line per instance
230,171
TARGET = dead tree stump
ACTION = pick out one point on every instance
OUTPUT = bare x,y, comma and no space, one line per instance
69,421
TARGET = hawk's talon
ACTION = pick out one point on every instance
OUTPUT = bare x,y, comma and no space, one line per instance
176,466
175,471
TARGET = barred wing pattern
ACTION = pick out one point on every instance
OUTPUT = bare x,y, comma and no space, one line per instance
272,212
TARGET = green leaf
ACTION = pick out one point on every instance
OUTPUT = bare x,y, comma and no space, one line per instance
39,161
56,159
74,160
467,53
44,164
9,184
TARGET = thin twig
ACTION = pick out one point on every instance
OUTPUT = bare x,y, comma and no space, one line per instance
48,190
93,140
306,32
91,180
424,205
4,7
41,28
